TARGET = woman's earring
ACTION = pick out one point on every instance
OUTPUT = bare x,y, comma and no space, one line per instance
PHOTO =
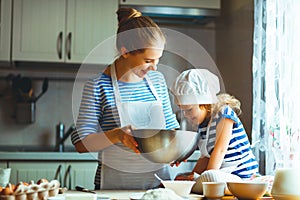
124,52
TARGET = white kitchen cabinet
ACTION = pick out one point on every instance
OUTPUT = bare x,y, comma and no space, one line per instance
32,170
5,29
3,164
211,4
81,173
62,30
89,22
69,174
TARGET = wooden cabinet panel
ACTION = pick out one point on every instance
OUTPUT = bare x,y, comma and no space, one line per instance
33,170
60,30
5,29
82,174
88,24
38,30
3,164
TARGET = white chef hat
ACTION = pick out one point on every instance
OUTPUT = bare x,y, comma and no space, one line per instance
196,86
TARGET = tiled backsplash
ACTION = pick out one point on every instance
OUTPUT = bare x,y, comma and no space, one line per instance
53,107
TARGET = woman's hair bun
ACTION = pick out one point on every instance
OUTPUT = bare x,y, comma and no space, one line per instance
125,14
138,31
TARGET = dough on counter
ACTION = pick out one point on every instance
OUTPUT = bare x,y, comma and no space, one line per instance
161,194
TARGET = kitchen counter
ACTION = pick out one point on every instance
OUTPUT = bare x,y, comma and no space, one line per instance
134,194
9,156
115,195
56,156
36,164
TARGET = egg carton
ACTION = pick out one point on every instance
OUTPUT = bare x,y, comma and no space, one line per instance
39,191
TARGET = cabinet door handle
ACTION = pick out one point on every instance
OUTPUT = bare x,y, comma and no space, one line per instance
59,45
68,45
58,174
68,175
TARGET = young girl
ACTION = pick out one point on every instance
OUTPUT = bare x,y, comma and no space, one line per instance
225,149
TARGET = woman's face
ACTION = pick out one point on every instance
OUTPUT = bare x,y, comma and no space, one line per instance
141,63
195,114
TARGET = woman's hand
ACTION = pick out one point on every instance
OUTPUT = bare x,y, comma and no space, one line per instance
99,141
124,136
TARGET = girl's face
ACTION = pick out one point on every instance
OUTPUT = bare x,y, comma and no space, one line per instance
141,63
195,114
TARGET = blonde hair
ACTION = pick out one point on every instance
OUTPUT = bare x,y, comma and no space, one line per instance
223,100
145,32
231,101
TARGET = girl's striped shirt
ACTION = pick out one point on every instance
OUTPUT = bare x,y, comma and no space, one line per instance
239,149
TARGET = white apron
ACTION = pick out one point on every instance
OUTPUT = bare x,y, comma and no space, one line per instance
121,167
225,166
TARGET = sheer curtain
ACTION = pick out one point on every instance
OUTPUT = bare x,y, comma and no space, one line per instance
276,83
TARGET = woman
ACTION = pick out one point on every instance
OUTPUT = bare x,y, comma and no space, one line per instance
130,93
226,154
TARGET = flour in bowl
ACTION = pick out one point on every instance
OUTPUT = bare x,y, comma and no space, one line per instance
161,194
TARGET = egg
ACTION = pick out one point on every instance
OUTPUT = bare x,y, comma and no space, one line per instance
54,184
7,190
42,180
13,187
20,188
25,183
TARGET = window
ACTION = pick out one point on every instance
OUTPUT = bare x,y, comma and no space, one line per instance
276,83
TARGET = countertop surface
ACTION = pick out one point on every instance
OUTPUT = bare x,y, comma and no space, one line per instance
135,195
14,156
117,195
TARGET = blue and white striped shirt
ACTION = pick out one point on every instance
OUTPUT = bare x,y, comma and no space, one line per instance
98,111
239,149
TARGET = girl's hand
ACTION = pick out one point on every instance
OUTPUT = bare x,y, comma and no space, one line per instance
187,176
125,136
177,163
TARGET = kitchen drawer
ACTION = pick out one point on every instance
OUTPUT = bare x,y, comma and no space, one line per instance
3,164
5,29
69,174
48,156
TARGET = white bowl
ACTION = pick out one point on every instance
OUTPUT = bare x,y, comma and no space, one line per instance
247,189
285,197
286,183
181,188
213,189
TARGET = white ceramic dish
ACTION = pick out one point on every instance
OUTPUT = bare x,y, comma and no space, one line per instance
59,197
286,197
247,189
181,188
136,196
286,184
213,189
196,197
81,196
